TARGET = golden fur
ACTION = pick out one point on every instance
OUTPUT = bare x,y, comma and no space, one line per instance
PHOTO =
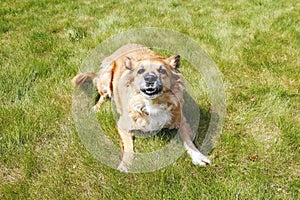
148,92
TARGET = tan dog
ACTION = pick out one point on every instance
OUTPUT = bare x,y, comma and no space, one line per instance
148,93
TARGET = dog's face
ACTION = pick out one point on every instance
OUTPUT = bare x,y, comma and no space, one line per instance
153,77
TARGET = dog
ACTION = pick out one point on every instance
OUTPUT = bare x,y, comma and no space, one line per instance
148,92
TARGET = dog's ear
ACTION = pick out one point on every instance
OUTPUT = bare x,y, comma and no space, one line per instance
174,61
128,63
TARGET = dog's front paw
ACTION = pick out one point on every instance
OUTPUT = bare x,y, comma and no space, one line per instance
122,167
142,122
199,159
140,108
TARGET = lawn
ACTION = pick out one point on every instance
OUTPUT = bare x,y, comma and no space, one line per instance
255,45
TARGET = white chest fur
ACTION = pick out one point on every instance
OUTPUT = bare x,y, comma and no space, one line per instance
159,115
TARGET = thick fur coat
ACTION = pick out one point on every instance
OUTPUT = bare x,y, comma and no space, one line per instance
148,92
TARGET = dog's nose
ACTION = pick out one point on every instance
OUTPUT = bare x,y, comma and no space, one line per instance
150,78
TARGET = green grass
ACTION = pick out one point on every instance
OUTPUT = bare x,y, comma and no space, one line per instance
255,45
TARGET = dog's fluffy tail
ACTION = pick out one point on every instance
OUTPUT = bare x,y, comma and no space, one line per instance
81,78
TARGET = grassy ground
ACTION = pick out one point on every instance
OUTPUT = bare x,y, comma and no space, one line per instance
255,44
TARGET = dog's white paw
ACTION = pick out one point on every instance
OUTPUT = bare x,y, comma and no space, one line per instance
140,108
96,108
122,167
199,159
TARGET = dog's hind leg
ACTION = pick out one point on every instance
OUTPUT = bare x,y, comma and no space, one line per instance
101,100
103,90
187,137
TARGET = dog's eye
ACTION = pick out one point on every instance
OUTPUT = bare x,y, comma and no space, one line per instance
140,71
162,71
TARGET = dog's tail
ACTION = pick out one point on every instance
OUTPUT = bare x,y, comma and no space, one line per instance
81,78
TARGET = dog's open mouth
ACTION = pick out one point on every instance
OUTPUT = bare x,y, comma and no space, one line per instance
151,92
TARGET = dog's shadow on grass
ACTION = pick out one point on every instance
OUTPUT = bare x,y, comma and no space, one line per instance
198,118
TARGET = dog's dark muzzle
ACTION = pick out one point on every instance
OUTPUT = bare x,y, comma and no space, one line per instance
151,85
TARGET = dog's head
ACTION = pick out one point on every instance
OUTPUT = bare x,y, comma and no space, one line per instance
153,77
